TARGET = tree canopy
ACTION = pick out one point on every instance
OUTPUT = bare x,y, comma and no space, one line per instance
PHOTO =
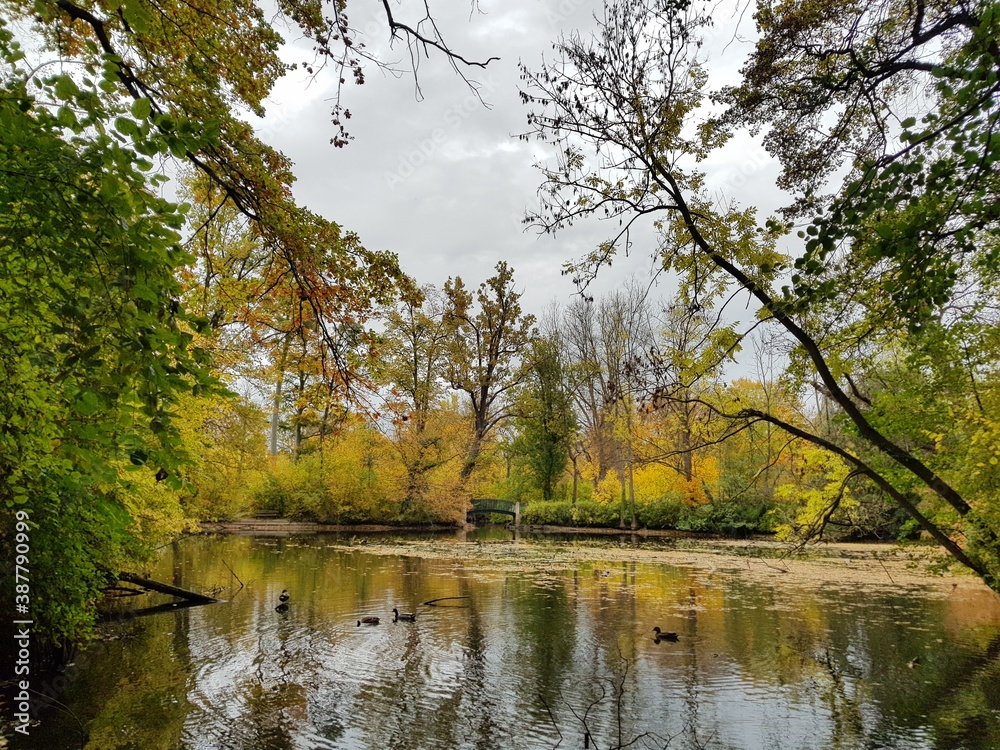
96,347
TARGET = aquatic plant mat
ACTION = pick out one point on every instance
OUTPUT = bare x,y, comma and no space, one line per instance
818,564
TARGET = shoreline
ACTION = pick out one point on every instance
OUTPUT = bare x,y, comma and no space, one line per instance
817,564
285,527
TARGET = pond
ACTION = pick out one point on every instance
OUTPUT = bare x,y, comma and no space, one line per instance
533,644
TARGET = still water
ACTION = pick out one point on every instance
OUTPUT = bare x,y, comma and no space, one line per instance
530,649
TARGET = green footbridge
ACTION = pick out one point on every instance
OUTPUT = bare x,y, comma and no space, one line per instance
489,506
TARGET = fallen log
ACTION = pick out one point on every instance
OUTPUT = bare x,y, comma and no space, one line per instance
165,588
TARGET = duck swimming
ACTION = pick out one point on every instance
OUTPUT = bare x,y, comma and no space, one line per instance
405,616
661,636
369,620
283,596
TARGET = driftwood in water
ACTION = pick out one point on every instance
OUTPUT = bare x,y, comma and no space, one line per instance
432,602
165,588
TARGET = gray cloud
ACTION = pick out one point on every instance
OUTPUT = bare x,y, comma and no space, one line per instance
443,181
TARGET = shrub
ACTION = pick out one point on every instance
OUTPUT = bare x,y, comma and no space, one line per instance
662,513
548,514
734,519
595,514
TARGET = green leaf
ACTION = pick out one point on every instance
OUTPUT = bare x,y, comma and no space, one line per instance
141,108
125,126
66,88
136,15
66,117
87,403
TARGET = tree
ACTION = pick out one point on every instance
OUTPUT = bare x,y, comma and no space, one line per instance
414,354
265,330
484,350
96,348
225,442
911,232
679,380
588,383
544,414
191,70
625,339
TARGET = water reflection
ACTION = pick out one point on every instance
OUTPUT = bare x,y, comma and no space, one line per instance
519,655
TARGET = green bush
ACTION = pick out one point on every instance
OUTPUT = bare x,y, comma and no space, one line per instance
732,519
564,513
541,513
516,488
662,513
736,519
589,513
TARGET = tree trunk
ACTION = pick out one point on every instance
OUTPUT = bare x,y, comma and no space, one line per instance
165,588
275,416
576,477
470,460
631,493
276,405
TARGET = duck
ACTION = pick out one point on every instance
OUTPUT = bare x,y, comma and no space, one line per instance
283,596
283,607
369,620
664,636
406,616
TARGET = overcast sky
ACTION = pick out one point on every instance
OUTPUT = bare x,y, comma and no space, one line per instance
444,181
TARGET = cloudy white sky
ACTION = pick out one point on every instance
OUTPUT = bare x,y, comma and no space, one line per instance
444,181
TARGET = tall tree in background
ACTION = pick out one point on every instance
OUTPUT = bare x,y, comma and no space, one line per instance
267,331
488,336
544,419
682,374
589,384
625,339
415,352
908,242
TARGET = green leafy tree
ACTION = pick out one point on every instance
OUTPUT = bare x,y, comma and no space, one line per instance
484,351
414,352
95,345
97,342
545,423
